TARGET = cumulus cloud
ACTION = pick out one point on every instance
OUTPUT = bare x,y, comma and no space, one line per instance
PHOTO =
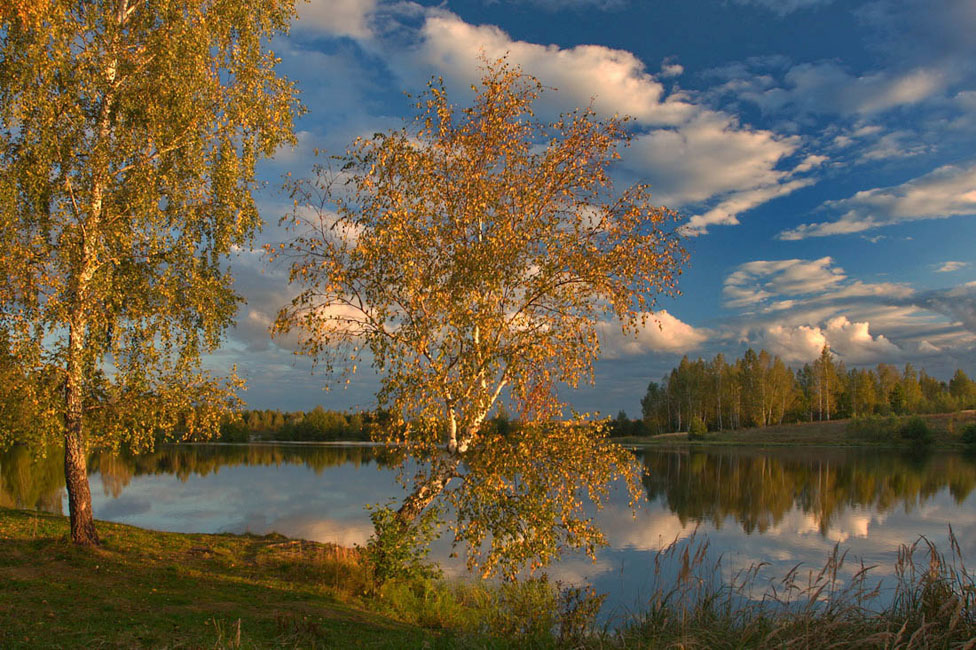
614,81
337,17
690,153
850,341
795,307
947,191
854,343
758,281
709,155
661,333
802,343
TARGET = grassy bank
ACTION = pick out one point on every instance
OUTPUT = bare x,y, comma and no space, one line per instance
946,430
150,589
165,590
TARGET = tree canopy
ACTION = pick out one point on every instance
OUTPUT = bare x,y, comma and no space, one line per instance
129,131
759,390
470,256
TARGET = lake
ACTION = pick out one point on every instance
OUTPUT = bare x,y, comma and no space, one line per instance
777,506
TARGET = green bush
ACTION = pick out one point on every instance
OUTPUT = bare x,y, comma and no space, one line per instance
873,427
916,431
398,550
697,429
969,434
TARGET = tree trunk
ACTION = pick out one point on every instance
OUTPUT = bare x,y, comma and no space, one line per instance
75,461
424,493
79,495
75,450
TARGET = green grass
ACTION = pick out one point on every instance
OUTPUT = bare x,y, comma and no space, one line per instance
946,429
164,590
150,589
147,589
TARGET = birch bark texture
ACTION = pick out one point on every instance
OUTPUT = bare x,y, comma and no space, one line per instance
129,132
470,257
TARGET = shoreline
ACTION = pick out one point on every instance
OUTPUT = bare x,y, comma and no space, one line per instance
946,428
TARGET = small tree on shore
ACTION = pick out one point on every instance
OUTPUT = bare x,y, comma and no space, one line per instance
472,255
129,130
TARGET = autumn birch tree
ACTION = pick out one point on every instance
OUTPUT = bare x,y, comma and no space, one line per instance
470,256
129,131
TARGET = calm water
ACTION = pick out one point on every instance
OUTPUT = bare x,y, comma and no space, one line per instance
752,505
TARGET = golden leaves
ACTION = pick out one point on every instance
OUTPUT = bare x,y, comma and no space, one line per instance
28,13
126,169
489,245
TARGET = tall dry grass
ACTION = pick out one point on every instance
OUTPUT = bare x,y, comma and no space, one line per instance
931,603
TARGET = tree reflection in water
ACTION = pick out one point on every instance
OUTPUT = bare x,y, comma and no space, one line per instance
756,488
37,482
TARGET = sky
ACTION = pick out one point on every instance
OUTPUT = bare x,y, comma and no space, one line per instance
821,152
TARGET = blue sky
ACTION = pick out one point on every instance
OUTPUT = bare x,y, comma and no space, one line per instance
822,152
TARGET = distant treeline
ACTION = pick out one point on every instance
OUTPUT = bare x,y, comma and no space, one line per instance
319,424
760,390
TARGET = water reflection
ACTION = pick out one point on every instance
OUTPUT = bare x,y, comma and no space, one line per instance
759,489
37,482
779,507
756,489
31,483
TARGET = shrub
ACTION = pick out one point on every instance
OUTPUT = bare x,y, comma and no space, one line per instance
697,429
398,550
873,427
916,431
969,434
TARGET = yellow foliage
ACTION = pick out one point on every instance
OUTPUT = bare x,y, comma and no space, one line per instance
473,254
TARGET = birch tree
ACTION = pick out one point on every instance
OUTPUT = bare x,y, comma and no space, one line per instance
472,254
129,131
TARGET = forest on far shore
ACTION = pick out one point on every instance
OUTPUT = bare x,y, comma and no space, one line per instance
756,390
759,390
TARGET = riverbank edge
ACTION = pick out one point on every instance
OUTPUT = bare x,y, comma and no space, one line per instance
151,589
146,588
946,428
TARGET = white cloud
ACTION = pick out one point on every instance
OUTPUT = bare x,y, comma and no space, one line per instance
850,341
661,333
854,343
784,7
556,5
337,17
615,81
708,156
794,307
670,68
945,192
727,212
812,161
925,347
802,343
758,281
896,144
689,153
826,87
950,266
